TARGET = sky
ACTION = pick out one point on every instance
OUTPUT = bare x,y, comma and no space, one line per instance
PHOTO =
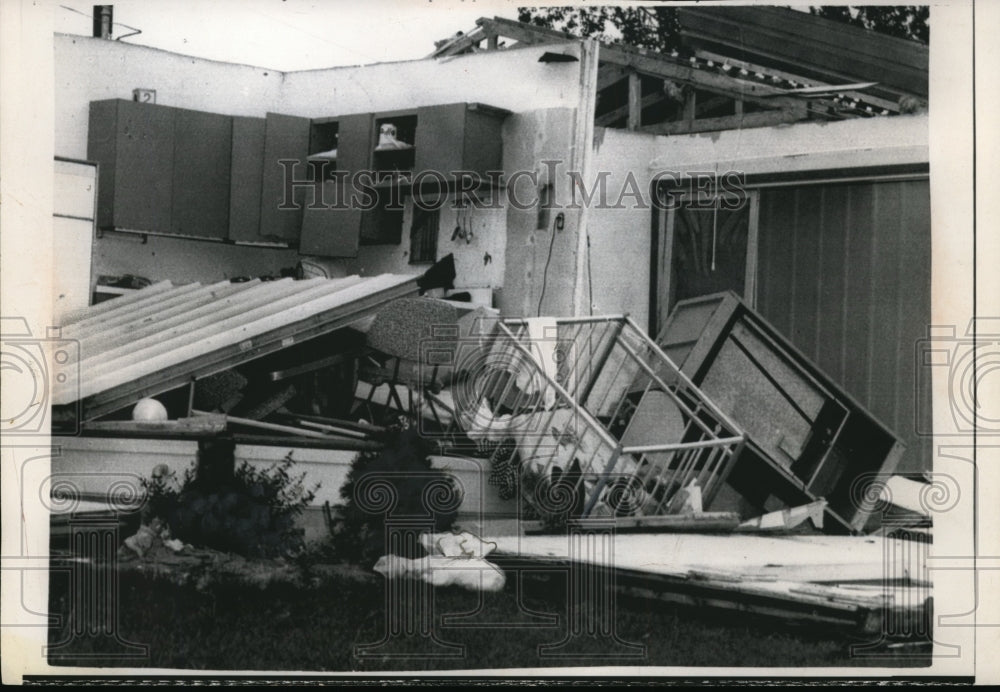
288,35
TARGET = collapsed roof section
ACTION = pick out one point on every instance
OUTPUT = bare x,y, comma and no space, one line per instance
166,336
736,67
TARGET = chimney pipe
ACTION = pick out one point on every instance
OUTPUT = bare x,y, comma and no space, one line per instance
103,19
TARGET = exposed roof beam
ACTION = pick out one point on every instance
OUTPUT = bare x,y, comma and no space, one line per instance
753,68
761,94
605,119
460,44
730,122
525,33
608,74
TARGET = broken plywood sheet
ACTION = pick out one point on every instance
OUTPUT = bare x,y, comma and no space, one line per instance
852,582
802,558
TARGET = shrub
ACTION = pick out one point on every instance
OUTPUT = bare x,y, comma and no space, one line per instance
399,483
251,513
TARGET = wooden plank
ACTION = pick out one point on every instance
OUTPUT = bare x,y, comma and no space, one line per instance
143,302
201,425
608,74
761,94
234,326
634,120
209,363
729,122
800,558
132,332
183,345
120,325
273,427
891,105
523,33
76,316
704,521
709,104
606,119
460,44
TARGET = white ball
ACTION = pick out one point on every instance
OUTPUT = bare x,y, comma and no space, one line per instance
149,410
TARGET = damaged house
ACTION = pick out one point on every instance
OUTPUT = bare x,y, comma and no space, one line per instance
683,291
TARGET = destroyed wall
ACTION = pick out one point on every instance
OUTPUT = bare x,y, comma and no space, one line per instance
840,273
541,258
92,69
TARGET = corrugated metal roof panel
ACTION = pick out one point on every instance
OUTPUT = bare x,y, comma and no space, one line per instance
151,343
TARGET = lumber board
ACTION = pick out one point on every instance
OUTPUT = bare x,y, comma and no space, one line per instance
761,94
826,558
730,122
135,327
195,321
185,340
119,321
75,316
199,425
91,323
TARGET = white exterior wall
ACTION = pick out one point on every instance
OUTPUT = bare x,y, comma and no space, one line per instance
620,239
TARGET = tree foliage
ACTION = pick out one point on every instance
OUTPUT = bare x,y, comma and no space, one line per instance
902,21
657,28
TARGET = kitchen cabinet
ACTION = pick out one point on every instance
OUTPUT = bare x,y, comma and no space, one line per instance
286,137
336,232
459,137
246,178
134,145
201,174
162,169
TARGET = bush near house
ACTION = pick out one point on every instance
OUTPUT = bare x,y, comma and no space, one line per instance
395,488
251,513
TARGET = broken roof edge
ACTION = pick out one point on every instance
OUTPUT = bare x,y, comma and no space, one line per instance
278,73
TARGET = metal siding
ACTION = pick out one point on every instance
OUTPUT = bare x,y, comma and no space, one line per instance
830,281
775,256
806,264
845,274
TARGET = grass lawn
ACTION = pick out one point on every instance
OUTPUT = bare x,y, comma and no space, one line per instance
319,628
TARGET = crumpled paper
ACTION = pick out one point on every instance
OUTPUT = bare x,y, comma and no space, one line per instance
453,560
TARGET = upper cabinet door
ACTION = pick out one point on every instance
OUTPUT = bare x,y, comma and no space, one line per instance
134,145
286,137
460,137
440,138
202,157
247,172
336,232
